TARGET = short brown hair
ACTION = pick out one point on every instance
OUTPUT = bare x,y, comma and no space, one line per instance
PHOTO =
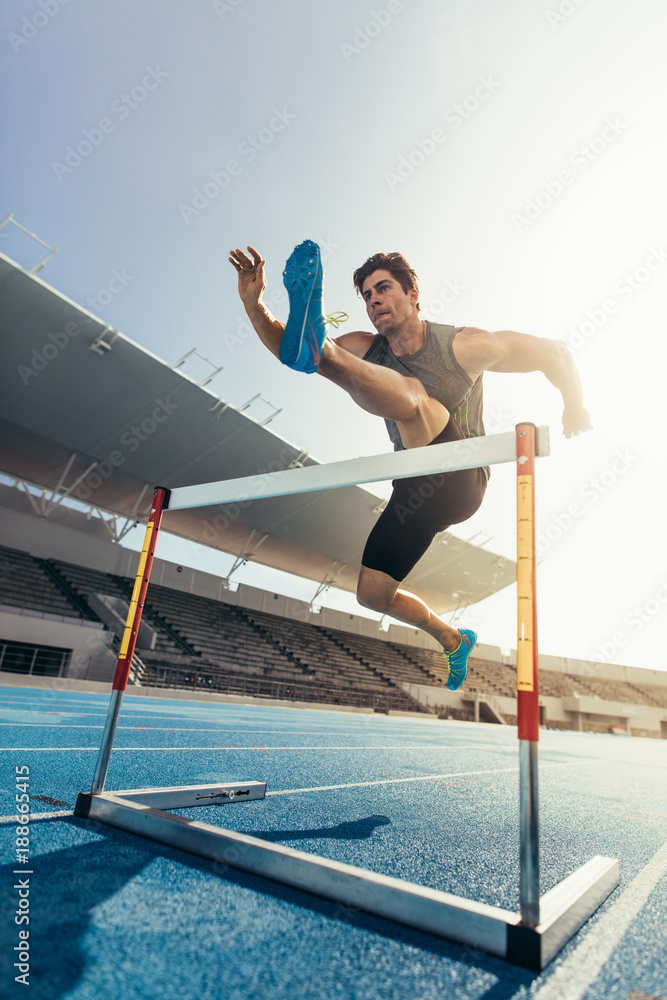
393,262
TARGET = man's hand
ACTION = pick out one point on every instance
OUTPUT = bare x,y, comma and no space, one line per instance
575,421
251,275
251,286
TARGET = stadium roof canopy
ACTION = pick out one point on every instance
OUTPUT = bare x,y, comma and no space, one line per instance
86,412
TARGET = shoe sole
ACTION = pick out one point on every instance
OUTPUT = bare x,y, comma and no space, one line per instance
291,343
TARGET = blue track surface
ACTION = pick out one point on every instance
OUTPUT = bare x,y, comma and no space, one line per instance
114,915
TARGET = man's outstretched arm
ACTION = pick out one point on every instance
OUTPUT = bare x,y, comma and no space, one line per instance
505,351
252,283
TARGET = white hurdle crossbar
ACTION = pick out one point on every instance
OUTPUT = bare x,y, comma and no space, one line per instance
545,923
471,453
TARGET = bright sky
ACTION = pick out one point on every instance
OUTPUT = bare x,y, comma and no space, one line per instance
514,152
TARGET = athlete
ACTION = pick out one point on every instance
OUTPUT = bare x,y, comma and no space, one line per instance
425,379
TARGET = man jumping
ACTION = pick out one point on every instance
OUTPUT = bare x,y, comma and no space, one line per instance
425,380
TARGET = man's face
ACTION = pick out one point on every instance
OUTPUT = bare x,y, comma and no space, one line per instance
387,305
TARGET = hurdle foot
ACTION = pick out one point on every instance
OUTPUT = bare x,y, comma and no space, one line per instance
83,803
564,910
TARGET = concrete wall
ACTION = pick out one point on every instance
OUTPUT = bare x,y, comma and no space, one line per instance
88,641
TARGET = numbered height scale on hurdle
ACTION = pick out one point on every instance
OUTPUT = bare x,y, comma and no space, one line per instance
530,938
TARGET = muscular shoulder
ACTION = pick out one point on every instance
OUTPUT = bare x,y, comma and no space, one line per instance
356,342
475,350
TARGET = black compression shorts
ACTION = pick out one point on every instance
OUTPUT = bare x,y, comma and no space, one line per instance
418,509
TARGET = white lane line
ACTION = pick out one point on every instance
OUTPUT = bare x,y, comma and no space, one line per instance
36,816
220,728
353,784
583,965
226,748
392,781
487,748
426,777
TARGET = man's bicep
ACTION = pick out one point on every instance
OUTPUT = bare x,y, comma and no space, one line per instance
506,351
521,352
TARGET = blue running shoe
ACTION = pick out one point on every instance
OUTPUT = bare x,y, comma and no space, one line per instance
306,328
457,660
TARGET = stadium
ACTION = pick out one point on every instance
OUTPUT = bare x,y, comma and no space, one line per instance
323,815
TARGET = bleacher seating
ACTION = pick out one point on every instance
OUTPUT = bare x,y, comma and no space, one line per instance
209,644
222,647
24,584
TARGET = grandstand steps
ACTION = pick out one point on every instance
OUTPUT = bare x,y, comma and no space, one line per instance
333,664
645,697
80,604
377,671
581,686
485,708
79,588
431,668
222,638
159,622
267,636
25,583
654,695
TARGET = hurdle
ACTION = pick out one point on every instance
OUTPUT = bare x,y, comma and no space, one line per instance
545,923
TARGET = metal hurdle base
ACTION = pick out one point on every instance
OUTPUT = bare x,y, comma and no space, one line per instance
564,909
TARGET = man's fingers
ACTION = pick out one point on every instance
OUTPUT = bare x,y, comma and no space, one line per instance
241,258
242,262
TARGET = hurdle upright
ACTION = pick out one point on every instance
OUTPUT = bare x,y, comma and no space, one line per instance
545,923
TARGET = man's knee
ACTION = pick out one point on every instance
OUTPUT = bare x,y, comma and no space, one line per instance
375,590
371,599
419,397
428,415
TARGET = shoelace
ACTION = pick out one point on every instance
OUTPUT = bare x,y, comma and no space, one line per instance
335,319
450,652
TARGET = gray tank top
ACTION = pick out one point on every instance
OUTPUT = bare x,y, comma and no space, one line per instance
441,375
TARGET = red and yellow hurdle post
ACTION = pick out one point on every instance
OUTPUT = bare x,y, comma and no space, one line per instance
129,637
527,674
